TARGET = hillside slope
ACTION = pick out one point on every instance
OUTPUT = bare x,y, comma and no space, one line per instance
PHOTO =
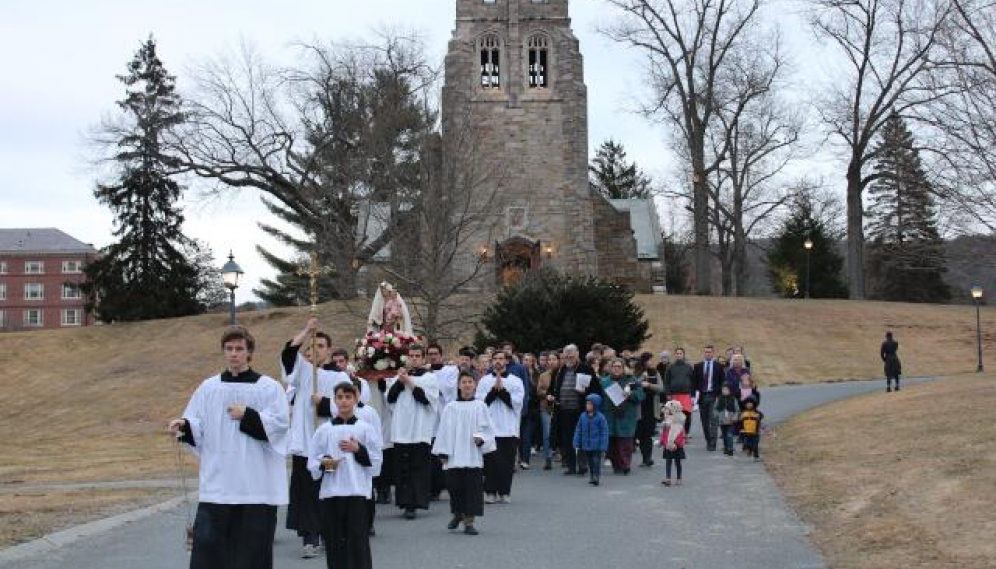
91,403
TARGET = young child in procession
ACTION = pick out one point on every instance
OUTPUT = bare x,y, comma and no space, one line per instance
750,427
464,436
673,440
345,454
726,414
591,435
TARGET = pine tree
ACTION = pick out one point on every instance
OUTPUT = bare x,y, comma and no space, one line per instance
787,257
613,177
906,254
146,273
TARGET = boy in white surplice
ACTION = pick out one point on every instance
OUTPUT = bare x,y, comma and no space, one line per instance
237,423
345,455
465,435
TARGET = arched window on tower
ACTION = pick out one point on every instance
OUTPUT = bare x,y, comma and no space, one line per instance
538,62
490,47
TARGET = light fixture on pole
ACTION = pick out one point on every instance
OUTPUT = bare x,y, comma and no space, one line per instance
230,274
808,244
977,297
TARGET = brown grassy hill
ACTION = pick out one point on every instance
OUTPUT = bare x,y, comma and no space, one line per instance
104,393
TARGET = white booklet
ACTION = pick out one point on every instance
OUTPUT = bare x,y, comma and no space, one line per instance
615,393
582,381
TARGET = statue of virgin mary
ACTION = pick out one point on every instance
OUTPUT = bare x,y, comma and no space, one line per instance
389,311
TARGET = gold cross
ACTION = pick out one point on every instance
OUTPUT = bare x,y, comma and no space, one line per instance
313,272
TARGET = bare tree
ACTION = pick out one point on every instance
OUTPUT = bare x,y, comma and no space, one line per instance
689,44
962,120
334,144
459,210
886,48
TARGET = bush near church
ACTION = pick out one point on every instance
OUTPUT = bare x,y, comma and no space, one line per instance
547,309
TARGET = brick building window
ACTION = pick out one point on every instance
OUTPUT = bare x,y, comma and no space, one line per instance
3,267
34,291
34,267
3,291
538,57
490,47
73,267
33,318
3,319
72,317
70,291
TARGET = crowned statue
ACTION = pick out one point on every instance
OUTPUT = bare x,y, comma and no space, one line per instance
389,312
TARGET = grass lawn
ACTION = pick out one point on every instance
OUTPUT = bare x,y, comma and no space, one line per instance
892,480
99,397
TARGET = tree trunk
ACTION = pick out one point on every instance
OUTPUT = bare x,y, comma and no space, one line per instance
855,232
700,212
740,274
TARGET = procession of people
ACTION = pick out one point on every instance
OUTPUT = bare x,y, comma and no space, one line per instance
462,425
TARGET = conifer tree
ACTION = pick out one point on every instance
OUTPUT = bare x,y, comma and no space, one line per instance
615,178
145,274
906,254
787,257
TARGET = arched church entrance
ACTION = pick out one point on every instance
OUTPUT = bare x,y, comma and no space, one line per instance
514,257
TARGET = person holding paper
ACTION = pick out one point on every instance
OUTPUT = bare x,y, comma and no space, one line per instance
621,406
567,393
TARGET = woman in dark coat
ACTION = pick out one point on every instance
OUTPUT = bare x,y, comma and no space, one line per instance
893,367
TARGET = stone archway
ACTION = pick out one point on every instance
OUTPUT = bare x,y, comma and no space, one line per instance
514,257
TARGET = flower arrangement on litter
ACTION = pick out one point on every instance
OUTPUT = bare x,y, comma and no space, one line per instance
384,350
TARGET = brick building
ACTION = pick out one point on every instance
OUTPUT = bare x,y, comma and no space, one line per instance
514,78
39,274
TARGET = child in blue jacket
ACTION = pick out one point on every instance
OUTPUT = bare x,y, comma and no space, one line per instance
591,435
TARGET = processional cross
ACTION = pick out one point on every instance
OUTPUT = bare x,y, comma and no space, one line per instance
313,272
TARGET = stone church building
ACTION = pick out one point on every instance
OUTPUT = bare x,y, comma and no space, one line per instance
514,112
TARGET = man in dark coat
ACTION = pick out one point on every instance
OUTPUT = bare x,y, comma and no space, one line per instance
708,376
890,356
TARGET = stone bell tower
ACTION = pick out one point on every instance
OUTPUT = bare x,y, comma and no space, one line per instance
514,82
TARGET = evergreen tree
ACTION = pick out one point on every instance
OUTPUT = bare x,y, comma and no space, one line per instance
613,177
906,255
547,309
787,257
146,273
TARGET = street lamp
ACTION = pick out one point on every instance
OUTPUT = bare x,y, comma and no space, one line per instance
808,244
230,274
977,297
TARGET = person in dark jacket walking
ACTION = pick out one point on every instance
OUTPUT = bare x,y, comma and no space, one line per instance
890,357
680,386
567,392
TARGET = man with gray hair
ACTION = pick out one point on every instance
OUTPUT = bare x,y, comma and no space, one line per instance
574,381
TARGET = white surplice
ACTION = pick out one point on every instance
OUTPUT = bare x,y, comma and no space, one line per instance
504,419
459,423
350,478
411,421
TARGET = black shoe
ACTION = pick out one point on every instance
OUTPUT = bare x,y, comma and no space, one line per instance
625,472
569,472
897,387
592,482
582,472
711,447
409,514
454,522
595,483
469,530
548,465
888,390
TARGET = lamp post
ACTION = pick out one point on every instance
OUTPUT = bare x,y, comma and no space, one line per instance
977,297
230,274
808,244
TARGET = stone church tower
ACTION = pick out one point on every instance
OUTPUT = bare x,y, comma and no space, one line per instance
515,111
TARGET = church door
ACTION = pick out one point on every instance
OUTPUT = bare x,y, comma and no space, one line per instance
514,258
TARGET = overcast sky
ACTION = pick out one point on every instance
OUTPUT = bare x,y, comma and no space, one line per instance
57,78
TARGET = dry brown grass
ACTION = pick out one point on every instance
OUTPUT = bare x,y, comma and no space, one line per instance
99,397
896,480
31,515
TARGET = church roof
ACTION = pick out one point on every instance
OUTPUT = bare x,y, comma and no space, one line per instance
646,226
41,240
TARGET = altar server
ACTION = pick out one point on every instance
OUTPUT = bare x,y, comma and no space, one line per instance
237,424
503,393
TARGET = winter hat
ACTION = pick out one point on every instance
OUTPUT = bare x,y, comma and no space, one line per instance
596,400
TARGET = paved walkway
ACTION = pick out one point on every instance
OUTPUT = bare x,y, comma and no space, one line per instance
728,513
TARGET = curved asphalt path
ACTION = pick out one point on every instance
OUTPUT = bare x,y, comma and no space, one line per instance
728,513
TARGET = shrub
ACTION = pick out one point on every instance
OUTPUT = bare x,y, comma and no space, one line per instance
547,309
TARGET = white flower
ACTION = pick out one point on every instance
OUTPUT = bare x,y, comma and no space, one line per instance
404,360
381,365
392,364
371,351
